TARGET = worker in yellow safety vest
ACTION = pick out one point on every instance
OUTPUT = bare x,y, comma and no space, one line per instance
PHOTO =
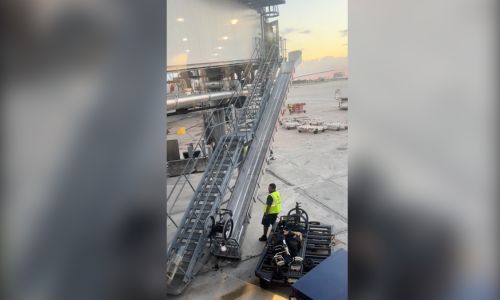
271,210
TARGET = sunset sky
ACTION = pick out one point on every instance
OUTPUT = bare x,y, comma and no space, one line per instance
319,29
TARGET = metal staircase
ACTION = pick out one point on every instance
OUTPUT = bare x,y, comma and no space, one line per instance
189,249
249,115
253,167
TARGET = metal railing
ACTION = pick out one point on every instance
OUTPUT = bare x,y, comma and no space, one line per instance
220,156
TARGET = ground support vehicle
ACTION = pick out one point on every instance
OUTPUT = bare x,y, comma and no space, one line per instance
336,126
296,108
343,103
315,247
311,128
290,124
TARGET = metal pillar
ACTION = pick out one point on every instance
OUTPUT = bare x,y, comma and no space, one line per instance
216,125
220,124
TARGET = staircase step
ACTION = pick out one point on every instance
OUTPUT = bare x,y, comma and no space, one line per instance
203,216
184,265
194,236
206,196
189,247
190,224
215,179
197,210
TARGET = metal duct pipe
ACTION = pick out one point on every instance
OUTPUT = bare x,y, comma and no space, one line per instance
214,85
223,84
201,100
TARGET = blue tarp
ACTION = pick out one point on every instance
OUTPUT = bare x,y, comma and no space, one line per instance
327,281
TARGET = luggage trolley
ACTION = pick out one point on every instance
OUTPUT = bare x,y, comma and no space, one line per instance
277,265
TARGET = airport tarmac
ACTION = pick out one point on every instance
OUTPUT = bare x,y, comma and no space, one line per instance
308,168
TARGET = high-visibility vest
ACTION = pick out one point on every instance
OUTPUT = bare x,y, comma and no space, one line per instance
276,206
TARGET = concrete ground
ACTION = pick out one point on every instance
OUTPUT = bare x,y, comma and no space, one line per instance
309,168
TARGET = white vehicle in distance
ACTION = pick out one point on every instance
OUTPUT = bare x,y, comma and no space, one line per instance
336,126
311,128
290,124
342,101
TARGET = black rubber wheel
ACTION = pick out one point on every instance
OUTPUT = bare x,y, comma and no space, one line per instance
209,226
301,213
308,264
315,131
227,230
264,284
